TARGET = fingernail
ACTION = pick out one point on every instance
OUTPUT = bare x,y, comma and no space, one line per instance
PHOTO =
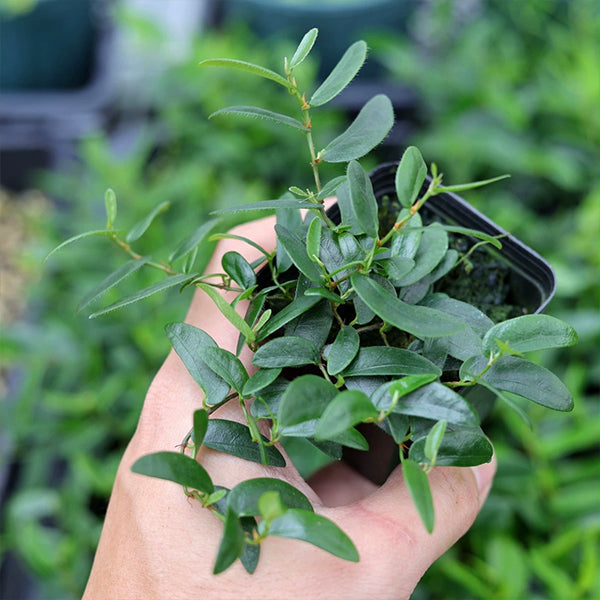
484,474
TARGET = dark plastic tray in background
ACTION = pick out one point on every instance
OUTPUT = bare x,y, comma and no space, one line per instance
532,279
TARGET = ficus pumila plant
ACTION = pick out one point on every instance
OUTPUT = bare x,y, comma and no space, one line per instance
349,327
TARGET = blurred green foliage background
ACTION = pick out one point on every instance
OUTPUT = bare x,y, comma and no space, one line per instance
501,87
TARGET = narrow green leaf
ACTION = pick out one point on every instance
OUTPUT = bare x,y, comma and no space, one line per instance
244,498
282,203
110,203
259,381
470,186
410,176
112,280
225,364
369,129
432,401
387,360
234,438
432,250
324,293
313,238
138,230
186,340
230,236
193,240
228,311
161,286
418,487
313,325
397,267
490,239
341,75
294,309
434,440
81,236
200,426
330,187
261,113
347,409
458,448
304,48
232,543
363,199
343,350
472,316
239,269
529,333
296,250
287,351
421,321
524,378
247,67
409,384
176,467
305,398
299,524
406,241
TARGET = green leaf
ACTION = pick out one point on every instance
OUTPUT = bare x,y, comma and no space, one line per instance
432,401
406,241
186,340
232,543
434,440
397,267
347,409
287,351
470,186
244,498
282,203
330,187
81,236
239,269
409,384
524,378
305,398
317,530
341,75
112,280
110,203
234,438
410,176
259,381
228,312
200,426
432,249
138,230
468,313
161,286
323,293
294,309
421,321
343,350
296,250
261,113
304,48
177,467
230,236
193,240
370,128
363,199
458,448
270,505
386,360
225,364
313,238
490,239
529,333
247,67
418,487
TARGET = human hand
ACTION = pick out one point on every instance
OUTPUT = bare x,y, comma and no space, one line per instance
156,543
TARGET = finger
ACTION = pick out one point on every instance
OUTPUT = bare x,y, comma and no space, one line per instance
390,517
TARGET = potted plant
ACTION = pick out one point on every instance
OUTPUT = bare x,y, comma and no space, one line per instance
377,315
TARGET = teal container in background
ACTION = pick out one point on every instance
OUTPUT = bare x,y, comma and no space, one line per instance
340,23
49,48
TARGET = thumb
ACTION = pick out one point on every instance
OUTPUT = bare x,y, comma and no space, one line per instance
387,522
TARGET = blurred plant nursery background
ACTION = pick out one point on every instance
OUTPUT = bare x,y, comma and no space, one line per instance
107,93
